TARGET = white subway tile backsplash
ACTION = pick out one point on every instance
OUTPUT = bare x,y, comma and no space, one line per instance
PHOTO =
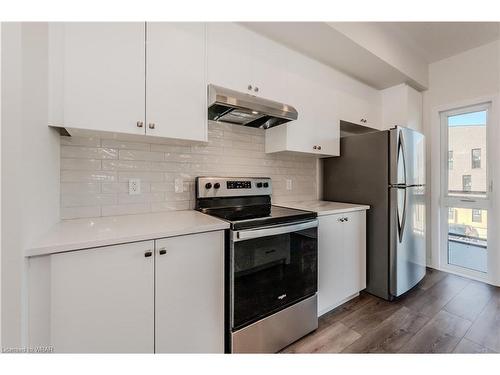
141,175
95,171
88,152
126,209
80,187
122,187
125,198
75,200
88,176
141,155
81,141
125,145
126,165
80,164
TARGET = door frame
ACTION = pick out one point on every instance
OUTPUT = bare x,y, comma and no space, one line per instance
446,201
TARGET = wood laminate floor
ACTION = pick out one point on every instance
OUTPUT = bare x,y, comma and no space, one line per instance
444,313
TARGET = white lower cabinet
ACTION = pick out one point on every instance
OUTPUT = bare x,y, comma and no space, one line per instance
189,309
164,296
102,300
341,258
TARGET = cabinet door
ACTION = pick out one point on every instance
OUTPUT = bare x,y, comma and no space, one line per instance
98,73
359,110
190,294
354,252
176,86
316,130
341,258
102,300
229,58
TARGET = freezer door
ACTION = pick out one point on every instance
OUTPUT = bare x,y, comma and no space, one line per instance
407,238
407,157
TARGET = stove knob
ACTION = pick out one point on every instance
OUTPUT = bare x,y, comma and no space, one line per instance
216,185
208,185
266,184
259,184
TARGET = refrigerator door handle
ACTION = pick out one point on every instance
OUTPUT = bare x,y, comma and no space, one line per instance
402,154
402,216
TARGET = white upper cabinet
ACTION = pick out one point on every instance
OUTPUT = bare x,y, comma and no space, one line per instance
360,108
108,77
316,130
176,89
241,60
97,76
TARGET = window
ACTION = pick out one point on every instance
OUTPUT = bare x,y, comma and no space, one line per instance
465,203
477,216
476,158
466,182
465,151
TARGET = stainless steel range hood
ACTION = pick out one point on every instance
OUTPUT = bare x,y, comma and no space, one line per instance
244,109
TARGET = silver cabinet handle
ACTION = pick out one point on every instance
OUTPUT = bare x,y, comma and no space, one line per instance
342,219
140,124
256,89
151,125
162,251
319,147
315,147
250,87
148,253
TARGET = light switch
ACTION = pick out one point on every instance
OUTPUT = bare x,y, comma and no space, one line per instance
288,184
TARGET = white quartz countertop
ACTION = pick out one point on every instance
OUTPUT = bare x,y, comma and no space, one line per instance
80,234
325,207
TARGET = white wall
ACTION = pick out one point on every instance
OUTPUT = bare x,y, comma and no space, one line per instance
468,78
30,165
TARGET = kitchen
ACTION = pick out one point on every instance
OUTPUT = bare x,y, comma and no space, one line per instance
239,169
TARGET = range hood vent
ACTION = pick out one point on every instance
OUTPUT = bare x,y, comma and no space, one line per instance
239,108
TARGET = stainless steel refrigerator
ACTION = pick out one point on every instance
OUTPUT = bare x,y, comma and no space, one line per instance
386,170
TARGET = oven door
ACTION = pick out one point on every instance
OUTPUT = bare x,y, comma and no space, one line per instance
271,268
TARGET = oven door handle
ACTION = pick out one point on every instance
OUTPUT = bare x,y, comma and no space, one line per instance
243,235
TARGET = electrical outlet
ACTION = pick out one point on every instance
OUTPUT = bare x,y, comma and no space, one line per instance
134,186
288,184
179,185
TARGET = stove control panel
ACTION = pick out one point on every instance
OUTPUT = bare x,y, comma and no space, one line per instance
210,187
239,184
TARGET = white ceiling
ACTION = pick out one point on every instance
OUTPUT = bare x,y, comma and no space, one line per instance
360,49
435,41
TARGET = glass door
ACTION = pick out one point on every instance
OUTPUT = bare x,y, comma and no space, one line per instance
466,190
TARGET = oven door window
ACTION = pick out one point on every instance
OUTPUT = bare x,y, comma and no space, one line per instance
272,272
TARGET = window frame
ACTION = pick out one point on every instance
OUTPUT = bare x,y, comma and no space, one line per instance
446,200
454,200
